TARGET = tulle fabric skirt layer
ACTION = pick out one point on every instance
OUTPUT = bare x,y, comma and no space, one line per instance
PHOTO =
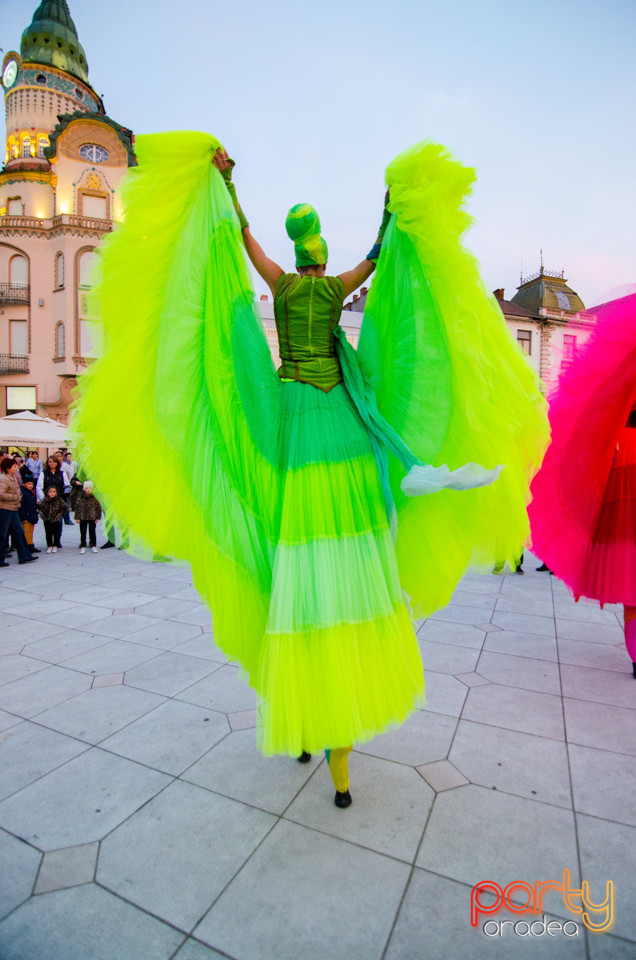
609,566
339,661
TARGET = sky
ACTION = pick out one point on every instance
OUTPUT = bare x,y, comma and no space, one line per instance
314,100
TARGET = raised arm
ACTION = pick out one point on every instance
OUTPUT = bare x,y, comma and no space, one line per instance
266,268
353,278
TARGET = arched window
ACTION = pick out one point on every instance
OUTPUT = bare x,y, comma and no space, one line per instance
18,270
26,147
59,270
88,342
59,340
15,207
42,145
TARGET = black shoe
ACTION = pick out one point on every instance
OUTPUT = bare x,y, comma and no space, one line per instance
342,799
543,569
34,550
304,757
105,546
633,664
29,560
519,570
5,564
69,523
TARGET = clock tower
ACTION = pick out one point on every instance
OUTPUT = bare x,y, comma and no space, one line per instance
59,193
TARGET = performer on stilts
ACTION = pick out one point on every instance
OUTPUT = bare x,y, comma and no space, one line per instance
300,506
583,510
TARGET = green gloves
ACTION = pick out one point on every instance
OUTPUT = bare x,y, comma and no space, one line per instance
231,189
374,252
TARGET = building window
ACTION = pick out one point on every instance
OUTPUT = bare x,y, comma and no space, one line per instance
18,270
26,147
94,207
87,330
569,347
42,145
59,271
524,339
18,338
15,207
59,340
20,398
93,152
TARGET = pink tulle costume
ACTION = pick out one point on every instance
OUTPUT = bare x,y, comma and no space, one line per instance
583,510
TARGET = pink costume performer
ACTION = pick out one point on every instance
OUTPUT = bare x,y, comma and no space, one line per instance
583,511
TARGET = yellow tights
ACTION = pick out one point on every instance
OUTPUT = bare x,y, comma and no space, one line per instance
338,761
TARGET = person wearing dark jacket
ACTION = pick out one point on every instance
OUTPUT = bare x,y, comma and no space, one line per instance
51,476
52,509
88,511
28,511
76,489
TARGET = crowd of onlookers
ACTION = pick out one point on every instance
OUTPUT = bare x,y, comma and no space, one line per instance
31,491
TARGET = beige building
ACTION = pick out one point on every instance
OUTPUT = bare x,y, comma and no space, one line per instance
64,160
549,322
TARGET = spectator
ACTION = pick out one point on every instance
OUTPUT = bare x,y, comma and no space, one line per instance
28,512
34,464
10,498
68,469
52,509
87,512
68,464
51,476
76,489
18,460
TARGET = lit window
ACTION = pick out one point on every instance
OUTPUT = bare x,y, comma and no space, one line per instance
26,147
42,145
524,339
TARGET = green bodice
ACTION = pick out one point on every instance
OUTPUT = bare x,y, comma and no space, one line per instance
307,311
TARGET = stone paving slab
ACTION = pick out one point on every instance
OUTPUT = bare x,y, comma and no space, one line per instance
174,838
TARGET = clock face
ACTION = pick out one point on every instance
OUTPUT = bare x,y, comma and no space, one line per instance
10,74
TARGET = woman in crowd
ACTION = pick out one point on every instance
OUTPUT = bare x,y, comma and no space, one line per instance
10,499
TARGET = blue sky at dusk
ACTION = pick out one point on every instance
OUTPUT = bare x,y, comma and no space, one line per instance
313,100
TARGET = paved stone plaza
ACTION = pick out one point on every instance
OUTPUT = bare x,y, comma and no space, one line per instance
139,822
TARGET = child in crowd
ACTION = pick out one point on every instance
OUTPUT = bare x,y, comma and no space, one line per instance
52,509
28,512
88,511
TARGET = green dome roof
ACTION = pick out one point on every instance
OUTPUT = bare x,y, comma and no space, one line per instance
52,39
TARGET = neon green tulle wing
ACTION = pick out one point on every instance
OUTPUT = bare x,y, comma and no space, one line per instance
186,387
450,379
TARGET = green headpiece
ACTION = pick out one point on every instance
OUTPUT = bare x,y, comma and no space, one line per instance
303,227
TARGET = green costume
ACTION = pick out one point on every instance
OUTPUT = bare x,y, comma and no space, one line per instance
307,311
284,505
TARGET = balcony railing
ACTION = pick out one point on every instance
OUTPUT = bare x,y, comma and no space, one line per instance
57,222
10,363
14,292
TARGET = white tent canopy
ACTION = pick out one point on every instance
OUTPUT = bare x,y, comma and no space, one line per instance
26,429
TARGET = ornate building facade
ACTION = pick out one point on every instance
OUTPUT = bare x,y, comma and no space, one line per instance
64,160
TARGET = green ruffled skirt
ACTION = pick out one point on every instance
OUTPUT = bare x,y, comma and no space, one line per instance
339,659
